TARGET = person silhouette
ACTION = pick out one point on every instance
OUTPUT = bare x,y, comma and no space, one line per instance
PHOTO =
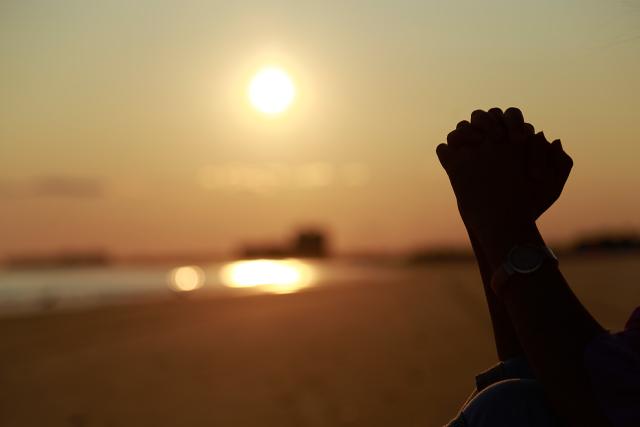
558,366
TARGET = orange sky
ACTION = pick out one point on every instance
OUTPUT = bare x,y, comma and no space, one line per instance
126,127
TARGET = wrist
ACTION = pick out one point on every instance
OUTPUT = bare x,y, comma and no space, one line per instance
496,240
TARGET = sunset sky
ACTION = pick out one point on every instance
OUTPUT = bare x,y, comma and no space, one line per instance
126,125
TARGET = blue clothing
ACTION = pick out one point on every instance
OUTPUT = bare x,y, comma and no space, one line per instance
509,395
509,403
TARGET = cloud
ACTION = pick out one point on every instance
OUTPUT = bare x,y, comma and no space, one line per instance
263,178
61,186
67,186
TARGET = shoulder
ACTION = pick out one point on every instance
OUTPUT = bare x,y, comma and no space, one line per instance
612,361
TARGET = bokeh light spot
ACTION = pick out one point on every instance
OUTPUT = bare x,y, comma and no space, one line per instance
186,278
277,276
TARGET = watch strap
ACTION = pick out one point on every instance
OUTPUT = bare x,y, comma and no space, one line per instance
502,275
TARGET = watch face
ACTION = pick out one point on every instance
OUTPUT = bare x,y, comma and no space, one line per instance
526,259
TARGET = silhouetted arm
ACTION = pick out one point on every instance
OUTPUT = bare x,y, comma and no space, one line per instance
504,177
552,325
506,340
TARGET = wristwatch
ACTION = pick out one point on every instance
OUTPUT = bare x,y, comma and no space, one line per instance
526,259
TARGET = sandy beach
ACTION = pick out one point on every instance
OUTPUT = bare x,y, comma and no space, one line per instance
401,354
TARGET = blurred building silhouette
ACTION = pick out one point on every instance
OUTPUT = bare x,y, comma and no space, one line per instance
59,260
310,244
440,255
607,243
306,243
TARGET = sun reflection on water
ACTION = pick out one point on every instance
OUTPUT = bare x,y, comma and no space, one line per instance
187,278
276,276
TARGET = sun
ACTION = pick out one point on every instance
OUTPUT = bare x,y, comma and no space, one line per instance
271,91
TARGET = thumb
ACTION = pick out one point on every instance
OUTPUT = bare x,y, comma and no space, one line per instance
539,167
443,151
561,160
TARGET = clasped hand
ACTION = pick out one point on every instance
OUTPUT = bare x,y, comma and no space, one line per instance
501,171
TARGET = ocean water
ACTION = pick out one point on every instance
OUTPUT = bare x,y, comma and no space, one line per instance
609,285
61,288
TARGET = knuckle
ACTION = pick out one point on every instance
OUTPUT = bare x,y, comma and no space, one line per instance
528,127
477,114
513,111
462,124
451,136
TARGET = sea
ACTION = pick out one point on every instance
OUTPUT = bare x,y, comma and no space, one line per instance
608,282
59,288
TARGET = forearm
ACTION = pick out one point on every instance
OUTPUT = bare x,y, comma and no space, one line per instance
551,324
554,329
506,340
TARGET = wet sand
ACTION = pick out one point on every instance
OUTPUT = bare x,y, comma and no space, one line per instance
402,354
